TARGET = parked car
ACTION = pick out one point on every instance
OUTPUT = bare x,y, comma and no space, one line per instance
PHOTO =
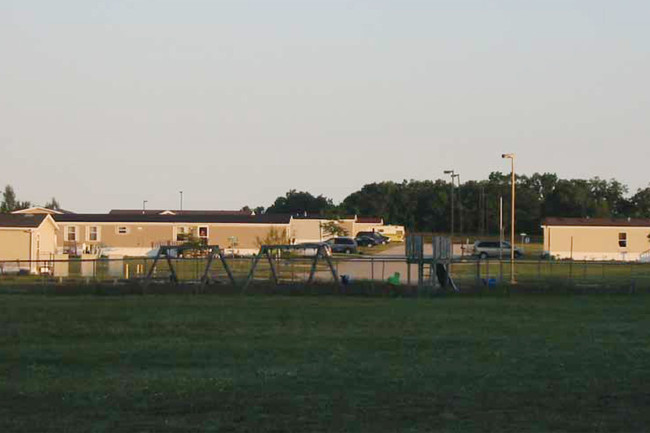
485,249
343,245
311,249
381,239
366,241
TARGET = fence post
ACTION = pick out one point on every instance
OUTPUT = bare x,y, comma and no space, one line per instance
500,269
408,272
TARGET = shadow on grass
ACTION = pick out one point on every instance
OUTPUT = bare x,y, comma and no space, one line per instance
360,288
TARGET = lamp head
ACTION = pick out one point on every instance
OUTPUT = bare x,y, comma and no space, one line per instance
508,155
448,172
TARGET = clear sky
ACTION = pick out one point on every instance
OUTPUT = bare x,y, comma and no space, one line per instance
107,103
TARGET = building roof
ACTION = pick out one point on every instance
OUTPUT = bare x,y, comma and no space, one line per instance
370,220
40,210
321,217
598,222
22,220
178,212
184,218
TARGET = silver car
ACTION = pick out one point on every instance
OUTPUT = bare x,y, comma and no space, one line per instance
485,249
343,245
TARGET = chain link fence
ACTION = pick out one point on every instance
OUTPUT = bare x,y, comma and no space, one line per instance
295,269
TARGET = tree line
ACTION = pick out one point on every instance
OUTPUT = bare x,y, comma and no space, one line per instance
11,203
425,205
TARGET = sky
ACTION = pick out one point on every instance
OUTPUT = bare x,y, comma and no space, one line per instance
104,104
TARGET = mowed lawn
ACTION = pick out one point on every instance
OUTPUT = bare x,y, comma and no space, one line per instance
324,363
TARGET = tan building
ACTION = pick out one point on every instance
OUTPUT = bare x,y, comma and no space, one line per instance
597,238
27,238
118,235
130,232
313,228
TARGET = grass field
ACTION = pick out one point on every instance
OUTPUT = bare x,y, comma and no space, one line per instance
324,363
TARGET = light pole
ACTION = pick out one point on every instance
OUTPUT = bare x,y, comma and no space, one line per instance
451,232
511,157
144,204
181,208
460,203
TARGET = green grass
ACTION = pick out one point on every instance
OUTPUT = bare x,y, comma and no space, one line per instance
324,363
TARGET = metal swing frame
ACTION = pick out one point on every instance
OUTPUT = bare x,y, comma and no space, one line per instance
267,250
213,251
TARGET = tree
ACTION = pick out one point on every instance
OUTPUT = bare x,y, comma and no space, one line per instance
607,197
53,204
273,237
333,228
300,202
640,203
570,198
9,201
425,205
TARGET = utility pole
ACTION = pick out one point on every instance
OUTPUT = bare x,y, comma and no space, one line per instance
451,231
500,227
144,203
460,206
181,208
511,157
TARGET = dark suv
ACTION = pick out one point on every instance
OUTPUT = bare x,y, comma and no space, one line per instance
366,241
381,239
343,245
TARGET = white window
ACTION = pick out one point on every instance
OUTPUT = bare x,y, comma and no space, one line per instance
622,240
71,235
182,233
122,230
93,233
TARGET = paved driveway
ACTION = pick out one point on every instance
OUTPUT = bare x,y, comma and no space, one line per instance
377,267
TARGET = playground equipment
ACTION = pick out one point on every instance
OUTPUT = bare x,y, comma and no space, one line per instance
434,270
173,252
268,251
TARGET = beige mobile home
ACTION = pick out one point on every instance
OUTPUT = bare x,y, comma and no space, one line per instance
118,235
597,238
310,228
26,239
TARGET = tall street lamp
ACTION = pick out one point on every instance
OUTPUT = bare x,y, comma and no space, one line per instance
181,193
511,157
460,203
144,204
451,172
